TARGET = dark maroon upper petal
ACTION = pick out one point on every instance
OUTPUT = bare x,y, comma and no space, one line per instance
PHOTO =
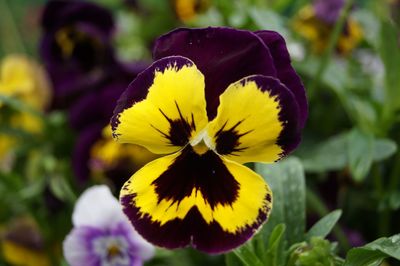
223,55
58,13
285,72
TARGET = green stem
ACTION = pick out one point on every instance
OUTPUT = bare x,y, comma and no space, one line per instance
377,178
10,35
316,204
384,216
395,174
337,30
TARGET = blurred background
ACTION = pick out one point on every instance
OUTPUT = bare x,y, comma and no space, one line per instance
62,71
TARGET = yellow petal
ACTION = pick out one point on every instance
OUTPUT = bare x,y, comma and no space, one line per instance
257,121
172,112
204,200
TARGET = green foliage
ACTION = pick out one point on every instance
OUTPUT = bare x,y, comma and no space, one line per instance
375,252
390,53
287,182
324,226
336,152
316,252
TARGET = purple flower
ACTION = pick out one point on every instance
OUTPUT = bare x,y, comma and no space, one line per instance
214,99
76,47
328,10
102,234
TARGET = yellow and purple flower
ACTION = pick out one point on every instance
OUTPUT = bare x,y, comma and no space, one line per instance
214,99
316,22
102,235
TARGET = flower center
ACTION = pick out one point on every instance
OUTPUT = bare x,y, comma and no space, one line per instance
202,143
112,250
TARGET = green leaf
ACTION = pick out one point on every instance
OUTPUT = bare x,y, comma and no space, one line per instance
389,51
232,260
61,189
274,254
327,156
286,179
368,20
331,155
20,106
267,19
383,149
247,255
375,252
324,226
360,151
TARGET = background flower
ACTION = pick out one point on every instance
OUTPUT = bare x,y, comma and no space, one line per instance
22,244
76,47
102,235
24,80
315,23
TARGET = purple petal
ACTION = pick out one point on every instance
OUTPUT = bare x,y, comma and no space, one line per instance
285,72
81,153
223,55
328,10
77,246
96,107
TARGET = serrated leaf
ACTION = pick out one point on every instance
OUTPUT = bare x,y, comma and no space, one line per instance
375,252
324,226
360,153
286,179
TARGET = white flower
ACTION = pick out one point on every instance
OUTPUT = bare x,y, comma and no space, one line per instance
102,234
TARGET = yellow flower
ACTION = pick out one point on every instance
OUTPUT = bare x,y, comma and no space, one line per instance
187,10
24,79
107,154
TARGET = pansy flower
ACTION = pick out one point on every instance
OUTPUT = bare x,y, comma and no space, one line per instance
316,22
76,46
102,234
214,99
